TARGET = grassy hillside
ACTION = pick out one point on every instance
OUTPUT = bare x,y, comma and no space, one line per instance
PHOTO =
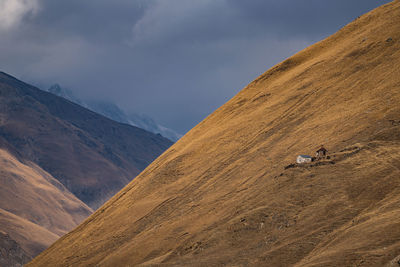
35,209
222,194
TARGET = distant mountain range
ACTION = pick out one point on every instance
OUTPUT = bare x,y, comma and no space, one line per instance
229,193
114,112
58,162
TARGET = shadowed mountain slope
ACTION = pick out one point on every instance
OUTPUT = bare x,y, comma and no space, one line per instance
91,155
35,210
112,111
11,254
222,195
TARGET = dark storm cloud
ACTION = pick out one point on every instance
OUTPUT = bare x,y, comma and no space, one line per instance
311,18
176,60
96,20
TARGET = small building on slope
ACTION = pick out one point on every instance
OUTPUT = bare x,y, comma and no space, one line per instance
303,159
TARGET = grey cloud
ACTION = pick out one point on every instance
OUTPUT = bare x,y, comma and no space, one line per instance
12,12
301,17
175,60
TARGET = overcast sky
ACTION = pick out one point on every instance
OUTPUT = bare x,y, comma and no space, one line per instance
174,60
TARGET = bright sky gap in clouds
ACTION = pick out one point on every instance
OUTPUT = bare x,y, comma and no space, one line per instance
175,60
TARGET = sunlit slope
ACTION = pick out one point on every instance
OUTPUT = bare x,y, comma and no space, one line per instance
35,209
30,236
221,195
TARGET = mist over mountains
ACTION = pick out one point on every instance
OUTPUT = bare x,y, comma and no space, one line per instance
59,161
229,192
114,112
85,182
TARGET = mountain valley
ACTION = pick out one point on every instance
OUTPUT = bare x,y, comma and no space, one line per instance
229,192
58,163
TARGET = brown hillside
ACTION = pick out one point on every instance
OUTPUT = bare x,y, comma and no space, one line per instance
11,253
94,157
35,208
221,195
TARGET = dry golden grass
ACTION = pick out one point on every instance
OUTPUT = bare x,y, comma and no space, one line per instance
221,195
32,237
35,209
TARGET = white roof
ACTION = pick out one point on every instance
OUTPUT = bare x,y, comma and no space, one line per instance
305,156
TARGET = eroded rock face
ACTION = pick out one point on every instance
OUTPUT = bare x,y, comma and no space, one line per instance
11,253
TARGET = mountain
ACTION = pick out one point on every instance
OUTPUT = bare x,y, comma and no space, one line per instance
110,111
53,152
11,254
115,113
35,210
91,155
56,89
229,192
147,123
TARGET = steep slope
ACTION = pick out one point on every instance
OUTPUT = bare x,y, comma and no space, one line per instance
35,209
91,155
227,193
